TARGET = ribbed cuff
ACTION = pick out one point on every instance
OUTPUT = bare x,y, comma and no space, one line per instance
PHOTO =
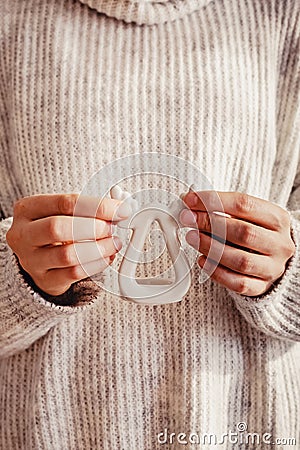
277,312
78,294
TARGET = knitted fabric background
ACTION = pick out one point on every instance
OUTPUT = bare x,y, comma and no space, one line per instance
82,84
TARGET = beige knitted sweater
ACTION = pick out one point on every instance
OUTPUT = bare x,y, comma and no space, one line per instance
81,84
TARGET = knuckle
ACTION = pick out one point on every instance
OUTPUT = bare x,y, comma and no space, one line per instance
284,219
244,203
41,281
292,248
278,275
14,237
270,273
10,237
25,263
273,273
66,204
76,273
278,223
54,229
289,248
67,256
19,207
246,264
246,234
242,286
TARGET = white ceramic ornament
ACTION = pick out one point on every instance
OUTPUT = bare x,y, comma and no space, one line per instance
152,291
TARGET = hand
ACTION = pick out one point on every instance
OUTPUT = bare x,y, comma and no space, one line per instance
43,238
258,239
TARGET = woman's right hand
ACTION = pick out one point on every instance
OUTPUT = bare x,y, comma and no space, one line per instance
57,249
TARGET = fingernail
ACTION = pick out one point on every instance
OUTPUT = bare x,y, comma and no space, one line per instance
191,199
108,228
116,192
193,239
188,217
123,211
117,242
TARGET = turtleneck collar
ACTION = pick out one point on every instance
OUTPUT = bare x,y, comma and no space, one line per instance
147,12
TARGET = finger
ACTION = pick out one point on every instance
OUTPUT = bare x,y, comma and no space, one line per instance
73,254
236,231
56,280
39,206
236,282
240,261
253,209
65,229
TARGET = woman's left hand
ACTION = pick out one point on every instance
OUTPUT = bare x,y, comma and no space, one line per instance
258,239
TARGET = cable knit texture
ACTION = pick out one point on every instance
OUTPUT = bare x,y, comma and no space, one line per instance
84,83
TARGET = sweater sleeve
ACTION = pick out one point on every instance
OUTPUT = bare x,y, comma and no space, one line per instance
26,314
277,312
